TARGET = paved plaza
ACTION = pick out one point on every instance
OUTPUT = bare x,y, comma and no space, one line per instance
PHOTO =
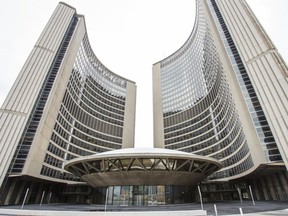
223,208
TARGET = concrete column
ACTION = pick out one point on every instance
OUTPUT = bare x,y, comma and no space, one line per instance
278,187
255,189
270,187
9,193
264,188
39,193
19,194
283,182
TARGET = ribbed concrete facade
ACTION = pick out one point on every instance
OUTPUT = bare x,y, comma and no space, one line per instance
265,67
64,104
22,97
223,94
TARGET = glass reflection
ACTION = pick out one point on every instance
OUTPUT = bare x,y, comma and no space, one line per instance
149,195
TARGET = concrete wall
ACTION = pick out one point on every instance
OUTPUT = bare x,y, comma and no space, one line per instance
129,116
20,101
242,109
158,125
266,68
41,141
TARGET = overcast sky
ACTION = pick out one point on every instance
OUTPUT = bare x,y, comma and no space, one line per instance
127,36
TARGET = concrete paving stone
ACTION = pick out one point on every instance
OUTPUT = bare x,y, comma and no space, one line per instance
228,208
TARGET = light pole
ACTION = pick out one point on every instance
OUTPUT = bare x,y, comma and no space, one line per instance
43,194
26,194
106,200
200,195
240,195
251,195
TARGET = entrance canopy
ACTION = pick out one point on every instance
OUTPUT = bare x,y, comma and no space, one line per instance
142,166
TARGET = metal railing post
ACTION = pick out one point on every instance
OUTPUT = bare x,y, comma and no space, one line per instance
25,197
251,195
106,200
200,197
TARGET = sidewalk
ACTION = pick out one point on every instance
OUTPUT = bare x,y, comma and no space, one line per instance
227,208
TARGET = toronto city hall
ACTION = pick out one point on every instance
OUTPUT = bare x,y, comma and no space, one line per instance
220,114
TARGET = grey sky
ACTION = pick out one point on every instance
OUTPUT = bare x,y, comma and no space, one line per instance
128,36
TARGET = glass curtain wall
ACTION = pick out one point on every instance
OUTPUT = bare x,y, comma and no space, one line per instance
147,195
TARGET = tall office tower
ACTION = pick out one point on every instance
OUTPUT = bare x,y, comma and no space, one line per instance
223,94
64,104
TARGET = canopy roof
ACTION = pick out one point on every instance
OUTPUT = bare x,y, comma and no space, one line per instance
143,166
